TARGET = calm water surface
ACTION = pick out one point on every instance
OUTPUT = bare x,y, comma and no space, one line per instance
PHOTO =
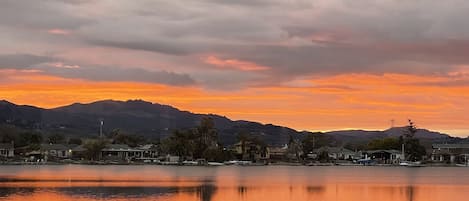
269,183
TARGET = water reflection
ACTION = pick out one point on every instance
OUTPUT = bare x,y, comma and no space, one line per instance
315,189
242,190
116,191
206,192
88,183
5,192
410,193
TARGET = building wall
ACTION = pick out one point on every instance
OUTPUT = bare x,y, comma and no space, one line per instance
7,152
57,153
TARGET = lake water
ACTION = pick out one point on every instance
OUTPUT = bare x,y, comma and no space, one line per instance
232,183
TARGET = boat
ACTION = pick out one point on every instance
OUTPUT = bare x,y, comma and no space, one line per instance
190,163
416,164
366,161
247,163
232,162
409,163
215,164
412,164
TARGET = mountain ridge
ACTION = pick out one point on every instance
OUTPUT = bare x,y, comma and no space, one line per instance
157,121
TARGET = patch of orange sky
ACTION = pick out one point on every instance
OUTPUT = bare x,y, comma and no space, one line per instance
234,64
350,101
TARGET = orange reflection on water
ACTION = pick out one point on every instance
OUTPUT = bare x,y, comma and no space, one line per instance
285,193
119,183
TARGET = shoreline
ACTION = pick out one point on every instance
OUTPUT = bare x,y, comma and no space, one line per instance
89,163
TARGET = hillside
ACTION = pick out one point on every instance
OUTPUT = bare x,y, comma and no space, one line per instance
158,121
134,116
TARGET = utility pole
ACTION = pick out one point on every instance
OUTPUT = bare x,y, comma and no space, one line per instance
403,151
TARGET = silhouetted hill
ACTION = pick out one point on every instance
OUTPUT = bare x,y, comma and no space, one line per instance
354,135
134,116
421,133
158,121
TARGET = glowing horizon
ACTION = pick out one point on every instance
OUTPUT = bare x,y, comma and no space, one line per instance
324,106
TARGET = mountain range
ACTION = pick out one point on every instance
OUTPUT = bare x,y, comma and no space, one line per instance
158,121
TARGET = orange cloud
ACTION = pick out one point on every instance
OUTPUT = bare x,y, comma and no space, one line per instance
59,32
234,64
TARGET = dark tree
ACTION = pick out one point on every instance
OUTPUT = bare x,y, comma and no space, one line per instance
180,143
414,151
206,137
56,138
314,141
121,137
77,141
94,148
386,143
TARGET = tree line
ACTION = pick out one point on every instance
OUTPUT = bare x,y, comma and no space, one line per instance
202,142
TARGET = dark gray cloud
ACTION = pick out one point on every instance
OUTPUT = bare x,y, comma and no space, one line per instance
45,14
120,74
415,58
53,66
160,46
22,61
333,37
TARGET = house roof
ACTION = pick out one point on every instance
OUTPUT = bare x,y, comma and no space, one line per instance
119,147
54,147
148,147
390,151
440,151
334,150
78,148
6,146
450,146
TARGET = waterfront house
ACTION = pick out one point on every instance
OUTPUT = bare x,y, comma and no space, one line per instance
384,156
121,152
450,153
149,153
172,159
277,153
337,153
334,153
59,151
149,150
7,150
251,151
78,152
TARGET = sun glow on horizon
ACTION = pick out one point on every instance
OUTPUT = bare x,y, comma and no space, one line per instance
358,101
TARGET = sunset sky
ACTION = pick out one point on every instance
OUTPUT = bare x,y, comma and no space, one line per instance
313,65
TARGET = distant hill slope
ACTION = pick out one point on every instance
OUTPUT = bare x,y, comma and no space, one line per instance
155,120
360,136
136,116
392,132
